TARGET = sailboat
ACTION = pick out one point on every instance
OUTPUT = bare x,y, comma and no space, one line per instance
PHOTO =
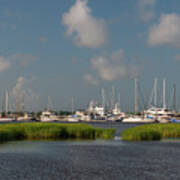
160,114
73,117
4,117
116,114
47,115
24,116
136,118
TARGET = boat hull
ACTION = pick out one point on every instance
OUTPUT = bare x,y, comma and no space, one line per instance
137,120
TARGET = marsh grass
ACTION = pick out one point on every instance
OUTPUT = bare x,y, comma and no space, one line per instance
152,132
52,131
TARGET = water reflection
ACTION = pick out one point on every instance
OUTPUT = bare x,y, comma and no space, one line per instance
90,160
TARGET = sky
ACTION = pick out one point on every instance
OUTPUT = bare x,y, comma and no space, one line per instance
74,48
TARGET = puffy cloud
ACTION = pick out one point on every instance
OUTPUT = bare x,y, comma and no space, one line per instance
87,30
146,9
167,31
21,89
90,79
4,64
19,86
114,67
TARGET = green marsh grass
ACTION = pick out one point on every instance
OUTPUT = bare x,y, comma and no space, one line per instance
52,131
151,132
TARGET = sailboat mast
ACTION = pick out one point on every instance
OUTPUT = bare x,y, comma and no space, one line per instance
155,92
164,93
136,95
112,97
103,97
174,97
72,110
23,108
119,100
7,100
17,105
49,103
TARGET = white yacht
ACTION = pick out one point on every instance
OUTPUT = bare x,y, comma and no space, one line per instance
7,119
137,119
73,118
48,116
116,114
162,115
83,115
25,117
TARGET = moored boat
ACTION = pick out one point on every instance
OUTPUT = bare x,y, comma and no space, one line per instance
48,116
137,119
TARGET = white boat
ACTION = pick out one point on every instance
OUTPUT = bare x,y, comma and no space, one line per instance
116,114
83,116
25,117
162,115
48,116
114,118
73,118
6,119
137,119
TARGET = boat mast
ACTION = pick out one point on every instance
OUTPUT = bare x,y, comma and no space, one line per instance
103,97
155,92
112,97
119,100
6,103
174,97
72,110
136,95
17,105
49,104
164,93
23,108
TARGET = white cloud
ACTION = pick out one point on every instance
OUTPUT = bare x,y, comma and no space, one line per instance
167,31
87,30
4,64
21,89
90,79
114,67
146,9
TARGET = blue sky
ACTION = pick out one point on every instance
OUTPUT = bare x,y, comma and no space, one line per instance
74,48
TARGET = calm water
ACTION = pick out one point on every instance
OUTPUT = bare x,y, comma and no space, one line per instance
91,160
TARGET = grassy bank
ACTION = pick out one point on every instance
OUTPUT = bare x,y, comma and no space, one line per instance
52,131
152,132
